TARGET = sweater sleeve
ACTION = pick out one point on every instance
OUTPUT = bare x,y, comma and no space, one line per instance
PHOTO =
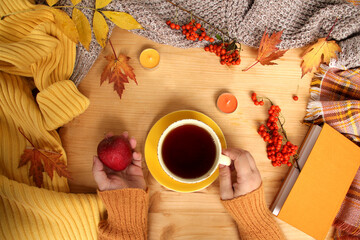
253,218
127,214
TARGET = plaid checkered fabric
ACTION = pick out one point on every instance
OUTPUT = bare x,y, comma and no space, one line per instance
335,99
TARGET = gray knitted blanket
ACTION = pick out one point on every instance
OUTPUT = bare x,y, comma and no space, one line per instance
303,21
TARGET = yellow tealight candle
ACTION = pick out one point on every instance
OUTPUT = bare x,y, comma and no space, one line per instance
149,58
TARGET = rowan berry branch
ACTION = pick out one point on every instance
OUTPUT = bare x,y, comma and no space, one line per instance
281,124
282,127
199,18
273,132
296,158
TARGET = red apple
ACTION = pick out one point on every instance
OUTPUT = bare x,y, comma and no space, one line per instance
115,152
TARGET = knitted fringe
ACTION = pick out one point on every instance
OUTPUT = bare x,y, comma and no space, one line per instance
336,64
347,228
314,109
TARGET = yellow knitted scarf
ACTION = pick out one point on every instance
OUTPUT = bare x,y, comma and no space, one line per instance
35,53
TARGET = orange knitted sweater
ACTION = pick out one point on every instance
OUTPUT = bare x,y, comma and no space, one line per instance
128,209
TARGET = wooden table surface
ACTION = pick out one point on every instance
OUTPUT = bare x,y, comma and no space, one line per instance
188,79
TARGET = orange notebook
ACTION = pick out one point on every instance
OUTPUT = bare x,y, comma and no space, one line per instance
310,200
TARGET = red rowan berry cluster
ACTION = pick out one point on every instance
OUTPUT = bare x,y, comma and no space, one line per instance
277,152
256,102
193,31
228,57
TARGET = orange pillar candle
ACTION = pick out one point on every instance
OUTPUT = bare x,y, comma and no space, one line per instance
227,103
149,58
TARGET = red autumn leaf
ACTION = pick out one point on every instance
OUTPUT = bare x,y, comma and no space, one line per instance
42,161
268,51
117,71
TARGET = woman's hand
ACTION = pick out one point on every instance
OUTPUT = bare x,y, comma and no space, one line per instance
248,177
130,177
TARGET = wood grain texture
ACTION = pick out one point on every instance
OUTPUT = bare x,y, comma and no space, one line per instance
188,79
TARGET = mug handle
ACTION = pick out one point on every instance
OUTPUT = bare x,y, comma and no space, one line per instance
224,160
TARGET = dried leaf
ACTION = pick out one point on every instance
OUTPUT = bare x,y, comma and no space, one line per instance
65,24
355,2
232,46
271,57
100,28
51,2
83,27
268,51
117,71
43,161
320,52
122,20
75,2
58,166
102,3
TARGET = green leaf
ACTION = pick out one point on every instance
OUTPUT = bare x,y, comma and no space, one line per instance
74,2
102,3
100,28
122,20
83,27
51,2
231,46
218,37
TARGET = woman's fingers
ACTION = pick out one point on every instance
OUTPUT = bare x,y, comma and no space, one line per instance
132,142
109,134
99,174
137,159
226,190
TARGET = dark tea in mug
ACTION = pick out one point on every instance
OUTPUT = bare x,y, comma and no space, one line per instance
188,151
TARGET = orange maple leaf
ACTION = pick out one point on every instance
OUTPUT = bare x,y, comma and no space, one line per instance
117,71
42,161
268,51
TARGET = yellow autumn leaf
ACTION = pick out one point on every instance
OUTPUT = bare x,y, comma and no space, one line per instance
320,52
101,3
83,27
74,2
100,28
65,24
122,20
51,2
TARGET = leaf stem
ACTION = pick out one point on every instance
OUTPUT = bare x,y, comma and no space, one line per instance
13,13
33,9
201,19
65,6
113,48
244,70
22,133
331,29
